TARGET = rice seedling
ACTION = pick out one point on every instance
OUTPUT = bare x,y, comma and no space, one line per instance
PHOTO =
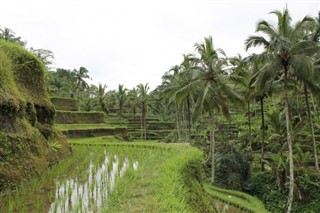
38,205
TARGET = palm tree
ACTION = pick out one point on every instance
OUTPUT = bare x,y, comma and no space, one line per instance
121,96
143,98
242,70
133,103
287,56
212,90
261,91
170,84
80,76
179,95
8,35
184,94
313,36
101,94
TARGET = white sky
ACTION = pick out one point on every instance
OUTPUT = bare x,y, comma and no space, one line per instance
136,41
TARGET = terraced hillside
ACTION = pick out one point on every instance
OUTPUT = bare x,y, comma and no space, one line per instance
27,140
108,174
155,128
79,124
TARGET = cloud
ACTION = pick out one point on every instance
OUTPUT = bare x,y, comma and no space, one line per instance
131,42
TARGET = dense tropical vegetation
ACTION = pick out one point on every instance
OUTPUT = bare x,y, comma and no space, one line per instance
256,117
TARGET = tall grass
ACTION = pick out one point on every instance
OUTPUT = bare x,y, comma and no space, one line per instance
159,185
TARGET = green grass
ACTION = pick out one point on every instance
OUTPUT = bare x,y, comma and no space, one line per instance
239,199
168,179
162,184
104,140
60,127
41,192
79,112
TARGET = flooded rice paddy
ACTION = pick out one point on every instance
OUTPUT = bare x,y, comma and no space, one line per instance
81,183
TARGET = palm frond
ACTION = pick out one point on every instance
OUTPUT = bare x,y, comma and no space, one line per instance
254,41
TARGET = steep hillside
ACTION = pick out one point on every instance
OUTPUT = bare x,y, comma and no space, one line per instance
28,144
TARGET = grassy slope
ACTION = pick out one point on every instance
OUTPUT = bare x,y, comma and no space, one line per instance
241,200
85,126
163,183
170,181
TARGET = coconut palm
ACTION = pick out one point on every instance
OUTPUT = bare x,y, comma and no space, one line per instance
260,92
315,90
242,70
133,104
80,76
314,35
210,82
287,56
8,35
101,95
185,94
170,84
179,95
121,96
143,98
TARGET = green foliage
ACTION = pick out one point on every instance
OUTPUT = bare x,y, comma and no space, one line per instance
26,117
73,117
171,181
8,35
10,98
236,198
70,104
307,192
232,166
28,72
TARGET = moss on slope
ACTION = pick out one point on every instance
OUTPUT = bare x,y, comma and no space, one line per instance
28,144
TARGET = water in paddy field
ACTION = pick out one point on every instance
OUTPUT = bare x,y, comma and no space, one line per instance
74,195
80,185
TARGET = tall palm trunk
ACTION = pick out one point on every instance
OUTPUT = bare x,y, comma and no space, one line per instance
178,123
314,143
134,120
263,133
184,122
315,110
249,127
291,172
145,122
141,124
188,119
212,141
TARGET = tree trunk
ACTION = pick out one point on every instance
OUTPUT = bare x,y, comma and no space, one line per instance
249,128
178,123
145,121
314,143
134,120
142,121
298,104
184,122
189,119
291,172
263,133
212,141
315,110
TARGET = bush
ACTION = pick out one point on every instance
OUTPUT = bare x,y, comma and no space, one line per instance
232,167
275,199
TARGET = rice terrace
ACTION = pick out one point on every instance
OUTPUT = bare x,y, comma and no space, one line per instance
219,134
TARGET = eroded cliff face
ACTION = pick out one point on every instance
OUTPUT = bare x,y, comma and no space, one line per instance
28,143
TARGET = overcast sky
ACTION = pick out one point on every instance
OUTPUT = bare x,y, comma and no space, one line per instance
136,41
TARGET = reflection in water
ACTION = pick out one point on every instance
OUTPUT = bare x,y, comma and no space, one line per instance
74,195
